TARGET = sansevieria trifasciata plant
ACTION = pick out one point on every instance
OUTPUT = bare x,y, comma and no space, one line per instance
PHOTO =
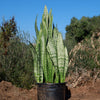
49,53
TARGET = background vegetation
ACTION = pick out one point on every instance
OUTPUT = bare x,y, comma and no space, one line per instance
78,30
83,43
16,63
82,40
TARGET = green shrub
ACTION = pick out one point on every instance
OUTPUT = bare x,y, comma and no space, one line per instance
16,63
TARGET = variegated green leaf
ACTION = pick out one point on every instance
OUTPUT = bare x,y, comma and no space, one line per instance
43,57
52,49
66,62
50,24
36,28
60,52
45,16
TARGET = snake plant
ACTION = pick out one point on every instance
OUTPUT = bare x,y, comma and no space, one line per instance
49,54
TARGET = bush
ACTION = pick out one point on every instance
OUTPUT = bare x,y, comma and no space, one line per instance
17,65
79,30
85,55
16,62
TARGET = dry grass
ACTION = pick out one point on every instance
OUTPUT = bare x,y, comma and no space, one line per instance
82,57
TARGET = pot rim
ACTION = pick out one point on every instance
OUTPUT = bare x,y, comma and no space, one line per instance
51,83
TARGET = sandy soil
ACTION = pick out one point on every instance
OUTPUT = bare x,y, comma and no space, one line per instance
86,92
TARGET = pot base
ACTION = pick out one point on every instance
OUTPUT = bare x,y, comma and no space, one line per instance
51,91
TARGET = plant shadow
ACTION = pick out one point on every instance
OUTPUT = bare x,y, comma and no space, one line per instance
67,93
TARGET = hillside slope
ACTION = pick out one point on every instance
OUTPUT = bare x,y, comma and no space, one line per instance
86,92
84,63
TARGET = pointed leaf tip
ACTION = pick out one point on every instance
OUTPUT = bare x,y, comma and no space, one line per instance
45,6
45,9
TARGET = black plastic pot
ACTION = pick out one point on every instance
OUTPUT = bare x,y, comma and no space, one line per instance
51,91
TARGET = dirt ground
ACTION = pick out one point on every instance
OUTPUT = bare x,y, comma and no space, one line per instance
87,92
